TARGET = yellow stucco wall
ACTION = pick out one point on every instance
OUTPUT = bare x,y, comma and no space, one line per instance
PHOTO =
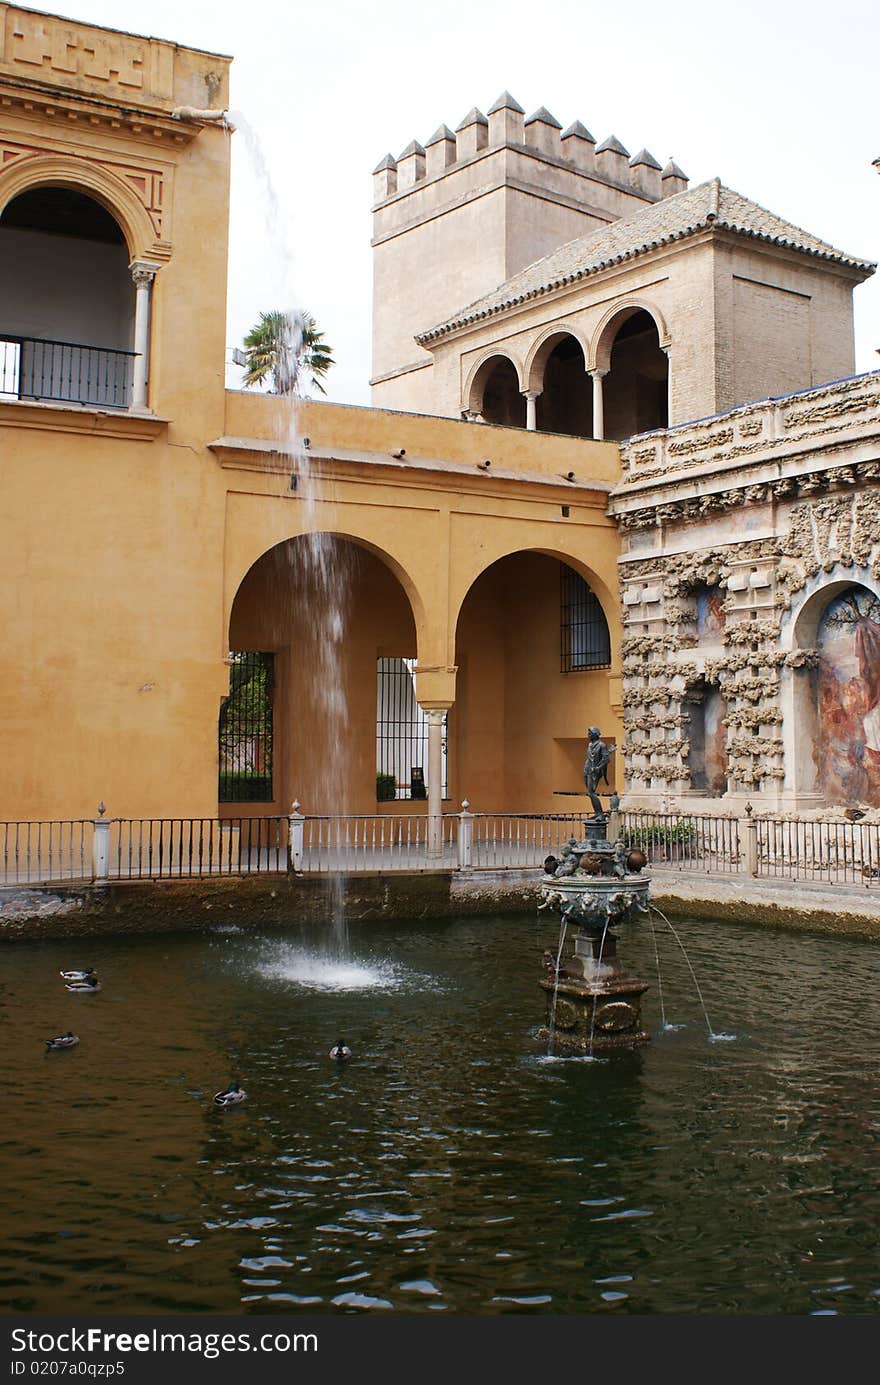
125,539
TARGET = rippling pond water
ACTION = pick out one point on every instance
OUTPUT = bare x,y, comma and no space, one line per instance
450,1165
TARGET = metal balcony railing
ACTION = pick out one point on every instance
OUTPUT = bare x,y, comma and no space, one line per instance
64,371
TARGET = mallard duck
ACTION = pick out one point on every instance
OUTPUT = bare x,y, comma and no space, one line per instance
340,1051
231,1095
63,1041
83,975
88,986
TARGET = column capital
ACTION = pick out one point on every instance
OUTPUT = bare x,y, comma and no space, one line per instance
143,271
435,715
597,373
531,394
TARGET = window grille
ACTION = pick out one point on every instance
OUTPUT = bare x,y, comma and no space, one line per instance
246,730
586,642
402,734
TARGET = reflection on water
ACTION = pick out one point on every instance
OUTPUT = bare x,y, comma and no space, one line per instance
450,1166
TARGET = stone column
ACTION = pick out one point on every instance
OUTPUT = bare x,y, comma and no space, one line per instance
531,397
436,716
143,273
598,404
668,350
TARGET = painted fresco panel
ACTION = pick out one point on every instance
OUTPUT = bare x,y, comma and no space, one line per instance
848,699
710,615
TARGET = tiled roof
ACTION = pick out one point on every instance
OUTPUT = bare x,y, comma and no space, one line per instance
707,206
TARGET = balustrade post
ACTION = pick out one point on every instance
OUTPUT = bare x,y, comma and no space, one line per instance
465,836
296,824
101,847
750,855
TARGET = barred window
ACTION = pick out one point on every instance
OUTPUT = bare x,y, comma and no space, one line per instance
586,642
401,734
246,730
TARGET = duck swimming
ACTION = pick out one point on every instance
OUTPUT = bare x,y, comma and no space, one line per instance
230,1096
340,1051
87,986
63,1041
83,975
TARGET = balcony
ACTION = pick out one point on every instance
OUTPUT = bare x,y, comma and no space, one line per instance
60,371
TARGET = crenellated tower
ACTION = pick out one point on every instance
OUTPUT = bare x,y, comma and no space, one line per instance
456,217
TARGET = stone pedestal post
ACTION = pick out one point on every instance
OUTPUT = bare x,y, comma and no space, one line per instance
465,836
296,824
101,847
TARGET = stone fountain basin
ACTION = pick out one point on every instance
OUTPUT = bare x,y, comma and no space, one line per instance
593,903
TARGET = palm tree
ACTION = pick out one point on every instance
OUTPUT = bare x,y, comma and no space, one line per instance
288,349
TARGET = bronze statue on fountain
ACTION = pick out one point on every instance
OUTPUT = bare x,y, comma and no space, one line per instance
594,885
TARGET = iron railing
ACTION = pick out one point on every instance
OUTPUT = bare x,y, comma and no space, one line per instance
402,734
64,371
246,730
181,848
379,842
838,853
507,840
688,841
118,849
42,852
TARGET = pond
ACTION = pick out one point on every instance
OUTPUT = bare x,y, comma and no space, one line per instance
449,1166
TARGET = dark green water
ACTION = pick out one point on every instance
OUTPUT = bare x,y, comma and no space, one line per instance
448,1166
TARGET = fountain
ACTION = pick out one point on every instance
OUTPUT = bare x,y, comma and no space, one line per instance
595,885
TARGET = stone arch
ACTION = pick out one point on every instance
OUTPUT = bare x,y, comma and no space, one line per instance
599,356
480,372
258,547
800,683
63,171
329,624
605,594
543,346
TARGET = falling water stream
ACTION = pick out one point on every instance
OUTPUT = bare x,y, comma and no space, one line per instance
319,565
712,1034
552,1025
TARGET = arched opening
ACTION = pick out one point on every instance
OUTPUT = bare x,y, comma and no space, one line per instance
706,709
498,398
66,300
531,679
636,389
333,627
565,404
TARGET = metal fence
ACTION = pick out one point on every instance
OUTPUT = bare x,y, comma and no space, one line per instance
506,840
112,849
32,368
169,848
378,842
837,853
691,841
40,852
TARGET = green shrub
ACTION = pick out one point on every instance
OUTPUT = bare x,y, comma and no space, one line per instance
242,787
386,788
650,835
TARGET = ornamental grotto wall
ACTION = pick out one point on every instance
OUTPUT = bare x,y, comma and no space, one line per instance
750,578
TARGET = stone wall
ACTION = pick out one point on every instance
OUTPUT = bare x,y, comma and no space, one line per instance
766,514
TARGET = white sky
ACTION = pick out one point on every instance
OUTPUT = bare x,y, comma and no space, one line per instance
776,97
